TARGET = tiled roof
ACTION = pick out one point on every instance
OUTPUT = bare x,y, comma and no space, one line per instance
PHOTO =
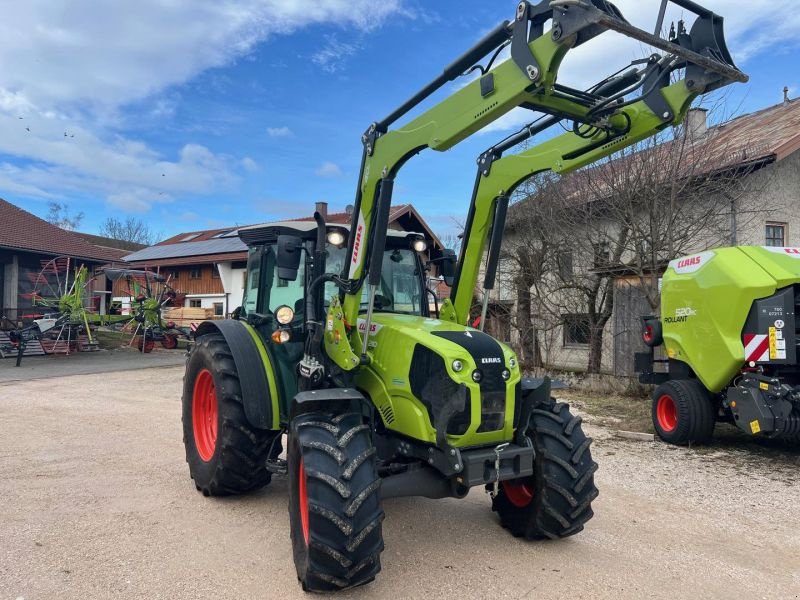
21,230
211,245
190,260
752,140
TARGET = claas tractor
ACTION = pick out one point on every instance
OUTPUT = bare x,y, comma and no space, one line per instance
383,393
729,337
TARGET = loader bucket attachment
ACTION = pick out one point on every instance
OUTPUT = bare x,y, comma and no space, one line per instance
703,50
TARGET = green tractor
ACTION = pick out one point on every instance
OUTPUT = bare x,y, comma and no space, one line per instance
730,335
338,345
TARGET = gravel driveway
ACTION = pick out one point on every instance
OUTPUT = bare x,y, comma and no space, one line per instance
97,503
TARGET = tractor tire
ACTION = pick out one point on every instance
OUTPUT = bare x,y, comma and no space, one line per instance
335,510
556,502
226,455
170,341
683,412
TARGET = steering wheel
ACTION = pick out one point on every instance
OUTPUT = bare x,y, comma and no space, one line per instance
382,302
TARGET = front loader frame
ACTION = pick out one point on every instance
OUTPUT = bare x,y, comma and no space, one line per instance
528,80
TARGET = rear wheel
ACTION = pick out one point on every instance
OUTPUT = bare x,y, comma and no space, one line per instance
334,502
556,502
226,455
683,412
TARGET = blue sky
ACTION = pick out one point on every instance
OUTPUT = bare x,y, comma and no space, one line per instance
206,113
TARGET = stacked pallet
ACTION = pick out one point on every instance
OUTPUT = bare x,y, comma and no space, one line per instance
33,348
185,317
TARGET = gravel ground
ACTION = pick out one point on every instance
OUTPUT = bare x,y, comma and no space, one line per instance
97,503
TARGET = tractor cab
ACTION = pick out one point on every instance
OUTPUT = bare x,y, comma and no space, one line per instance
280,271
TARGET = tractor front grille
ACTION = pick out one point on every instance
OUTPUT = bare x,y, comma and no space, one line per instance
493,400
447,402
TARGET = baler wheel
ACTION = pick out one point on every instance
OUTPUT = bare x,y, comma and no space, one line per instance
335,510
226,455
556,502
683,412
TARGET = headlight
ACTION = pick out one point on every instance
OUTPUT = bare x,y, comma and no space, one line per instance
458,366
284,315
281,336
419,245
477,376
336,238
506,374
512,362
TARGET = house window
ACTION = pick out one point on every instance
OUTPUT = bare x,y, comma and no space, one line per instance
776,234
195,303
602,255
214,272
576,330
174,274
218,309
565,269
194,273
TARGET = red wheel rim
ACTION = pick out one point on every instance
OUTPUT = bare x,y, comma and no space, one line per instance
519,494
302,498
204,414
667,413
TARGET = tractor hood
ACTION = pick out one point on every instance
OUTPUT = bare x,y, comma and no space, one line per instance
393,334
463,378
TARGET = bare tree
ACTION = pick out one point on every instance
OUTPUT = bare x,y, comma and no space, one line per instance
131,230
59,214
570,239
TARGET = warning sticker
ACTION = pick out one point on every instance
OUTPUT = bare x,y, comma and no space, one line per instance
773,343
755,427
764,386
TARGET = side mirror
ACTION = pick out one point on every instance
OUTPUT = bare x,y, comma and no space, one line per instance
288,256
448,267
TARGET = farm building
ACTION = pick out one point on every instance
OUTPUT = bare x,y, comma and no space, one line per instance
28,243
207,268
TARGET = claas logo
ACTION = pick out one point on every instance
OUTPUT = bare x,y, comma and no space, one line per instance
689,262
357,244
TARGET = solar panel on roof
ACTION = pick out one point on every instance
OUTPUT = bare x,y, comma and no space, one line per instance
213,246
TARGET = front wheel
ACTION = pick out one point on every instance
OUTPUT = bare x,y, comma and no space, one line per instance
226,455
334,502
556,502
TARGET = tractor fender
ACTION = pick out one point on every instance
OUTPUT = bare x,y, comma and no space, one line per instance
331,400
254,368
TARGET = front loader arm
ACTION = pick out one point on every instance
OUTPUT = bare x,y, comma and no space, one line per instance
528,79
499,177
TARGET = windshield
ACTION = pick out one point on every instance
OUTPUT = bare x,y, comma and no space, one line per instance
401,288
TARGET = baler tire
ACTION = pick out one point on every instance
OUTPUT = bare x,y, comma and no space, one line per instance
225,453
683,412
556,502
335,510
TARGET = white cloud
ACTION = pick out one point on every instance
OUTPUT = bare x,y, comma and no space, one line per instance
109,53
278,132
76,70
333,56
250,165
329,169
